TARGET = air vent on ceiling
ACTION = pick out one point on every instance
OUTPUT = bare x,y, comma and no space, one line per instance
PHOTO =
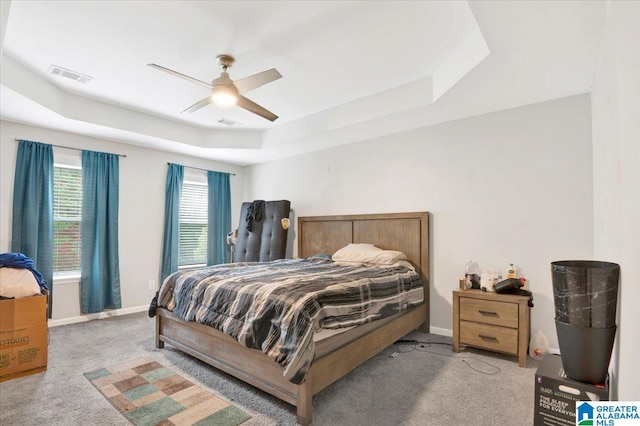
228,122
63,72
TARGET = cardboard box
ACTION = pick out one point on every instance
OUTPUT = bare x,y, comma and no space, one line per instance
556,395
23,336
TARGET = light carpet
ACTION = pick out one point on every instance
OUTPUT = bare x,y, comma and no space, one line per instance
418,386
149,394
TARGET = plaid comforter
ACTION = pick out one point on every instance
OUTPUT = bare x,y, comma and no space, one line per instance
277,306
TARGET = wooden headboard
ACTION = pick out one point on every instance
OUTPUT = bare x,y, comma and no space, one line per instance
406,232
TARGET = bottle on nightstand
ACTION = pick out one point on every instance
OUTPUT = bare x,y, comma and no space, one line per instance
463,284
511,271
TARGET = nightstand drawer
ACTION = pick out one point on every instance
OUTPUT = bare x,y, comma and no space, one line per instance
489,312
490,337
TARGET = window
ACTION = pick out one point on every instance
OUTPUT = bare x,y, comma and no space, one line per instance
193,224
67,220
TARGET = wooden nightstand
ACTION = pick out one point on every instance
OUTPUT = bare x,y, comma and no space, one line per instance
491,321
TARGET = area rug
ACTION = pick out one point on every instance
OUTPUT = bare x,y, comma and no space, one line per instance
147,393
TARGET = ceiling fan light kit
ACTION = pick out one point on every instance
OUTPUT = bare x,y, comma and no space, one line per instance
226,92
223,96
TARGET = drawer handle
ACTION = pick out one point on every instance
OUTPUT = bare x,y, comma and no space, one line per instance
488,313
483,337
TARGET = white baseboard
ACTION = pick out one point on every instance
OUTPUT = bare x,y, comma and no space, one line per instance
100,315
441,331
117,312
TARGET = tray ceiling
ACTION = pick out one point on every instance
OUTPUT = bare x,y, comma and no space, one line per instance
347,67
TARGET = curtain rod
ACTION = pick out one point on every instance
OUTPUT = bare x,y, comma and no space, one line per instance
204,170
66,147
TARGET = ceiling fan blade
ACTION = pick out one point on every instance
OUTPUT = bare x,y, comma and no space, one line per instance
254,81
249,105
201,103
178,74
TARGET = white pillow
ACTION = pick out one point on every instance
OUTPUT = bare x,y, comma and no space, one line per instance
15,282
368,253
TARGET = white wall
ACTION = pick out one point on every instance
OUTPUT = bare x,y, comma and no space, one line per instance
512,186
616,154
142,185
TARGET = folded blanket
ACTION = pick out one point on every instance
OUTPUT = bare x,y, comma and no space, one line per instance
20,261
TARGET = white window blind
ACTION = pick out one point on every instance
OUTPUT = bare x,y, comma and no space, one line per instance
193,225
67,219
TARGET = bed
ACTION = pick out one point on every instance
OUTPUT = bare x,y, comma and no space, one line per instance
337,354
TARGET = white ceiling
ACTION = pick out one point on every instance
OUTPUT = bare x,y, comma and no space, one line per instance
352,70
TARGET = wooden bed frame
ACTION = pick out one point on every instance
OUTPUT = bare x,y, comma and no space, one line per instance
407,232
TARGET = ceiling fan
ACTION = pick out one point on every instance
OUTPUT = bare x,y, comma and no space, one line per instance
225,92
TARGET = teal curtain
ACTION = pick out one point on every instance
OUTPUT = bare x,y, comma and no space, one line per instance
100,271
219,220
171,238
32,222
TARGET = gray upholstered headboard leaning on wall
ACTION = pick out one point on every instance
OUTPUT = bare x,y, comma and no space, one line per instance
262,235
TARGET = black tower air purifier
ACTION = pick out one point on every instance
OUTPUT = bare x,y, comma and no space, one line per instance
585,295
